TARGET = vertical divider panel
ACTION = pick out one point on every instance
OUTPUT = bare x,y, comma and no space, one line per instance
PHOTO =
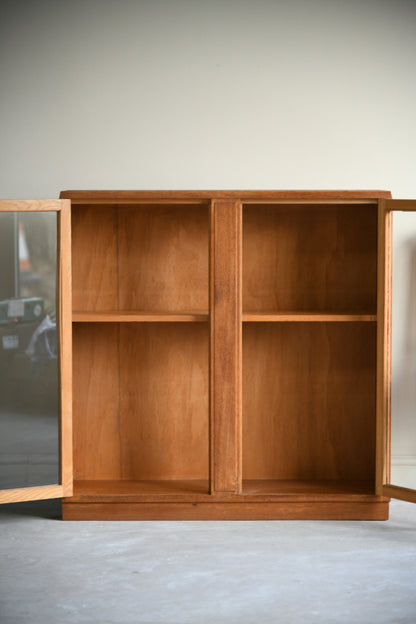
225,347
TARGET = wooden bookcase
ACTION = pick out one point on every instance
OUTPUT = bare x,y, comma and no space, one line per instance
224,355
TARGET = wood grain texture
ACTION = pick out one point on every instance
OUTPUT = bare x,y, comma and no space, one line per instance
310,258
164,400
225,376
400,493
192,490
141,489
96,388
141,401
309,401
43,492
226,511
29,205
384,303
302,317
163,258
77,196
400,204
139,317
65,345
142,358
94,258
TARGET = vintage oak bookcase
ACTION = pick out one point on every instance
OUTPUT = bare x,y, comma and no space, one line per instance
231,355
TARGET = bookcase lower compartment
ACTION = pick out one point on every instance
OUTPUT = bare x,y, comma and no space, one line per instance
190,499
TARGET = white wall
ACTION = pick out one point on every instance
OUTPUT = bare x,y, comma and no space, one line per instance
207,94
165,94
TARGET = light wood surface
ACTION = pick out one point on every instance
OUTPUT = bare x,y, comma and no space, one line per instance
31,205
163,258
302,317
42,492
65,345
140,258
94,258
141,401
313,257
383,346
268,490
139,317
225,377
309,401
185,195
401,493
224,510
96,388
158,392
400,204
164,401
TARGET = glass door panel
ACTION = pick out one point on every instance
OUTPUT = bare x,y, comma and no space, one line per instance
403,351
31,328
398,322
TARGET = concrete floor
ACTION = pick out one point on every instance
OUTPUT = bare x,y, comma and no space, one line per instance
206,572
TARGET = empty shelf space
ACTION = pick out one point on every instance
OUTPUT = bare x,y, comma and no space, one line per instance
273,317
299,487
315,257
135,415
139,317
100,489
140,257
309,401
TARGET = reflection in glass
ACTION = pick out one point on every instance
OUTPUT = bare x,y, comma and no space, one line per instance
29,386
403,383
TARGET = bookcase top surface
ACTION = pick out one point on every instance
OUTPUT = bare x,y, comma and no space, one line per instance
80,196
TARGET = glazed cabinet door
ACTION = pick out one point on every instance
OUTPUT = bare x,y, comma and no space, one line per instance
396,395
35,350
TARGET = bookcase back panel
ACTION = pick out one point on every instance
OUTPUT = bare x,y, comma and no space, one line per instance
94,258
309,400
97,452
142,393
141,257
310,258
164,400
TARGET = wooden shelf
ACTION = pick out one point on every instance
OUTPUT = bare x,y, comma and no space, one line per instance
139,317
197,490
141,487
301,317
300,487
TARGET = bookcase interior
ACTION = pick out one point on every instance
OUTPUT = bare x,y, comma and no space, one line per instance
141,403
310,257
140,257
158,288
308,404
